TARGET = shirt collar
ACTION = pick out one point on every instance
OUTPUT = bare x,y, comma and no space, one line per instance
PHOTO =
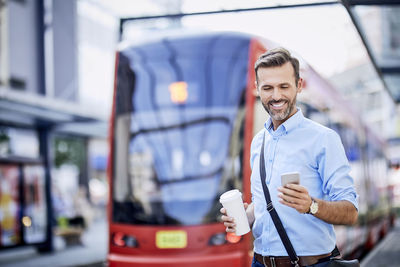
287,126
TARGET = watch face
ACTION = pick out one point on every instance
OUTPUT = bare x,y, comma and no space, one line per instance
314,207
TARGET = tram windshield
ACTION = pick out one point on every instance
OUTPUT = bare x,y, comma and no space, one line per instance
175,173
178,140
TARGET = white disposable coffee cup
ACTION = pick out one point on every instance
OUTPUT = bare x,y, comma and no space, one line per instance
233,203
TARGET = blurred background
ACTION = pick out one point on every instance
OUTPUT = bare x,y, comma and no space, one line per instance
57,71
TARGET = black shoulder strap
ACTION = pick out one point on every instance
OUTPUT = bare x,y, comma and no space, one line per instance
274,215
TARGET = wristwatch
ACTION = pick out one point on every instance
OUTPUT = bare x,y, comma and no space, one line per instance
313,207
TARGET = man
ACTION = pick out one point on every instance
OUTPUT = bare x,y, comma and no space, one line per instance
293,143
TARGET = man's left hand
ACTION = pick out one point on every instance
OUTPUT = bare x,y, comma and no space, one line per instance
295,196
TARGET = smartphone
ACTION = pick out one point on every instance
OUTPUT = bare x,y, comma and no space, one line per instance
290,178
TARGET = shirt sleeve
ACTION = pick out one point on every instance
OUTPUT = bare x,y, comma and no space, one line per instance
334,170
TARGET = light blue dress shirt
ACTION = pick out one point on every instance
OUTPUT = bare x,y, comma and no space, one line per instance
317,153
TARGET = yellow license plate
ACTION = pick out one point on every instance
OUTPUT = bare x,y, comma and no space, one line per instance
171,239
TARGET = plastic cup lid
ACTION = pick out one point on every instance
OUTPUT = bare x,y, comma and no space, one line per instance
229,195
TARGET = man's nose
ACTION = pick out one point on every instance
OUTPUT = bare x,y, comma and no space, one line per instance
276,94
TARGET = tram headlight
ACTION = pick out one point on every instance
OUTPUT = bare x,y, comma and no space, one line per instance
122,240
217,239
130,241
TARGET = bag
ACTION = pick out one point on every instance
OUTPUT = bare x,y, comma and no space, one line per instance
343,263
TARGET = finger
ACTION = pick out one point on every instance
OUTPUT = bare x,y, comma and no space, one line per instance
230,227
286,203
301,200
222,210
294,193
230,230
228,219
245,205
230,224
297,187
289,192
298,207
288,199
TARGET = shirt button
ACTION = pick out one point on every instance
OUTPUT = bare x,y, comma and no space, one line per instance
270,160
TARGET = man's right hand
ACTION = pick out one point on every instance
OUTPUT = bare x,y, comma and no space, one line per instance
230,223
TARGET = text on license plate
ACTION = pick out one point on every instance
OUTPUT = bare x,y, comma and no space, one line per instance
171,239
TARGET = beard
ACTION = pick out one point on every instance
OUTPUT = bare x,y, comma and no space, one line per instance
280,115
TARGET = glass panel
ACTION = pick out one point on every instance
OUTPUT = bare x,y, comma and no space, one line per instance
35,215
18,142
176,173
393,83
381,25
9,206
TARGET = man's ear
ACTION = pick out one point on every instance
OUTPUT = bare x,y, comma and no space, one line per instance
300,85
255,90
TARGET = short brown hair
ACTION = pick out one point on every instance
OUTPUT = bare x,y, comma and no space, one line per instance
277,57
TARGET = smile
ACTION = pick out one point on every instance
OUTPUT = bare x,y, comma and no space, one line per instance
278,104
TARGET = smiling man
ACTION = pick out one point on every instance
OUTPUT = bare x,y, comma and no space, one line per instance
293,143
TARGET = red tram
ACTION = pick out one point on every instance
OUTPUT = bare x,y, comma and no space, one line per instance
184,114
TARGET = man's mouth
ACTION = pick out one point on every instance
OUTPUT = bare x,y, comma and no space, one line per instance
277,104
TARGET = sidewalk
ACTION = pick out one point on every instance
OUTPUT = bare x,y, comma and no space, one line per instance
92,252
387,252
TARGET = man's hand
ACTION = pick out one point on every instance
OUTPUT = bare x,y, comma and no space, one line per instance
295,196
229,222
341,212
